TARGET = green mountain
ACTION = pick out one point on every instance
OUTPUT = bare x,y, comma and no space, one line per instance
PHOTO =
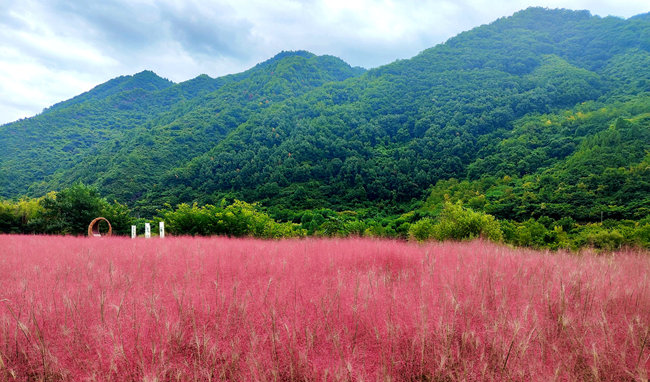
123,134
544,113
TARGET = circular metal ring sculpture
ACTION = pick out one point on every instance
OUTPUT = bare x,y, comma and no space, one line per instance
93,228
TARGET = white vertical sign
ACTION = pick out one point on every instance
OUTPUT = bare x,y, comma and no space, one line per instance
161,229
132,232
147,230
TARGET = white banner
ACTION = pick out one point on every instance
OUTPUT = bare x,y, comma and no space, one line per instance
161,229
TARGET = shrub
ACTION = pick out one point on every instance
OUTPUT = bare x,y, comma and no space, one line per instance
20,216
119,215
459,223
642,235
237,219
533,234
422,230
594,235
190,220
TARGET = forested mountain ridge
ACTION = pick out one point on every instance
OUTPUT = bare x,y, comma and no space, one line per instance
143,123
145,80
383,138
516,107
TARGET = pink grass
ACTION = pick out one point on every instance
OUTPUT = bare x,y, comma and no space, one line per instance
356,309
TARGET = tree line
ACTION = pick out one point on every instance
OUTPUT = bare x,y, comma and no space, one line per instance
71,210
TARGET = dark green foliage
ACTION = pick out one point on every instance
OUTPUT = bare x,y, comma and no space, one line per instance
606,176
69,211
124,135
383,138
301,131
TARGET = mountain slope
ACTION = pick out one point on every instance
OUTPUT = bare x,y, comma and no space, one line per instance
123,133
58,138
383,138
128,169
301,131
588,163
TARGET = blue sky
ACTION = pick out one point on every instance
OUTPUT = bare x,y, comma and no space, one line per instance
52,50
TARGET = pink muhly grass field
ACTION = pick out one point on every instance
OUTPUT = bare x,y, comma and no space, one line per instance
353,309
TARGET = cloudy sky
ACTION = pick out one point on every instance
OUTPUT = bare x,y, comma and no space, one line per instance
52,50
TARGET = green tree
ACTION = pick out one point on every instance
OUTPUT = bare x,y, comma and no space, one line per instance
71,210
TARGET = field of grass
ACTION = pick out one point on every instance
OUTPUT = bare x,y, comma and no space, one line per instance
354,309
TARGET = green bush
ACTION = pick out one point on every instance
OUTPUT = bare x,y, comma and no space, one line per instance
608,240
532,233
459,223
20,216
422,230
355,228
594,235
119,215
237,219
642,235
190,220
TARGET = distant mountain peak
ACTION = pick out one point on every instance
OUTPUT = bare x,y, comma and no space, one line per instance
285,54
583,13
148,74
293,53
146,80
642,16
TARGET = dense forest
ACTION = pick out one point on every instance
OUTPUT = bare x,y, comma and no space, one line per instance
534,129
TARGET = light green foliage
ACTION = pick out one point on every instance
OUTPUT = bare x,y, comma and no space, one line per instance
422,230
236,219
119,215
642,235
563,234
599,237
66,212
457,223
18,217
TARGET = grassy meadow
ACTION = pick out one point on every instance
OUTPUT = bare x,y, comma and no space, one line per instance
183,308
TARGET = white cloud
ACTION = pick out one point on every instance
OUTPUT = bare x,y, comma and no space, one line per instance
52,50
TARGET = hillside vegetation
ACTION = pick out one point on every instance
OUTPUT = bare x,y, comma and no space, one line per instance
538,118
